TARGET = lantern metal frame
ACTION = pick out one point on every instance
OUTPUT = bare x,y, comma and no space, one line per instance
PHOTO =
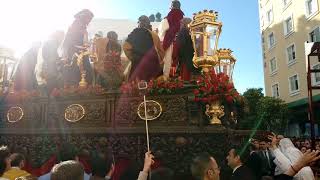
202,20
226,60
219,57
6,60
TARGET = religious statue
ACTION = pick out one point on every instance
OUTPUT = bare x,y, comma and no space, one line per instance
24,76
184,52
168,29
47,69
143,49
73,43
109,73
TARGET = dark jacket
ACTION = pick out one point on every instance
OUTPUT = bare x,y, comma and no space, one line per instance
242,172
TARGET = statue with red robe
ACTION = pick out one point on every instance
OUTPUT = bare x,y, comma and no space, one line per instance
168,29
143,49
75,38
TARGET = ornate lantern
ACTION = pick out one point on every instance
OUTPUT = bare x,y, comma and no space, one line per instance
226,62
205,32
7,68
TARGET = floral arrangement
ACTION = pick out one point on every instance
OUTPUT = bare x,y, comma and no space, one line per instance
212,87
77,91
113,61
155,87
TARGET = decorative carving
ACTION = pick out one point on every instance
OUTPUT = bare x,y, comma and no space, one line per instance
74,113
154,110
15,114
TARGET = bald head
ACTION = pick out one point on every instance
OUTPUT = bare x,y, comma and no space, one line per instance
205,166
67,170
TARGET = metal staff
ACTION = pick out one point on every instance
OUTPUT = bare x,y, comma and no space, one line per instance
143,86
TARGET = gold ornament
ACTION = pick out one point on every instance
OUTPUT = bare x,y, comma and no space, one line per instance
215,111
74,113
154,110
15,114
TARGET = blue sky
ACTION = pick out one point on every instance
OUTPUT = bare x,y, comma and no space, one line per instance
240,31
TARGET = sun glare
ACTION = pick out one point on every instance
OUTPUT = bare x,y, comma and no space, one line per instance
25,22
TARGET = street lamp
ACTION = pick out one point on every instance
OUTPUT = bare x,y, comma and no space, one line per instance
205,32
7,67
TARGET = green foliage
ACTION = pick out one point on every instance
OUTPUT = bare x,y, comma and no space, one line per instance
252,96
158,17
152,18
264,113
273,114
248,108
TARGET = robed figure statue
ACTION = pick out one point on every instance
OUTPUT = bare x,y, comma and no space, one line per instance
143,49
108,68
73,43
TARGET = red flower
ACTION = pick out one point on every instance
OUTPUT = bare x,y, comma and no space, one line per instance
229,99
196,92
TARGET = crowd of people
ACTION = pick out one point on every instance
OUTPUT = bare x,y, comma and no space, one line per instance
61,61
276,158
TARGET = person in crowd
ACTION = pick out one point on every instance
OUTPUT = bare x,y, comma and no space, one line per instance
318,147
297,144
239,170
67,170
205,167
168,29
307,144
109,68
27,178
162,173
254,162
148,161
303,149
183,52
268,166
286,155
17,163
66,153
47,70
131,172
24,77
302,162
76,37
256,144
158,174
143,49
102,167
5,162
279,137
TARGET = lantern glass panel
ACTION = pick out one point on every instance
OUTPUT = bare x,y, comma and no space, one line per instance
199,44
212,32
7,67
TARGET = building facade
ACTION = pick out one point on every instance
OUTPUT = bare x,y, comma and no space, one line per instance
285,26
